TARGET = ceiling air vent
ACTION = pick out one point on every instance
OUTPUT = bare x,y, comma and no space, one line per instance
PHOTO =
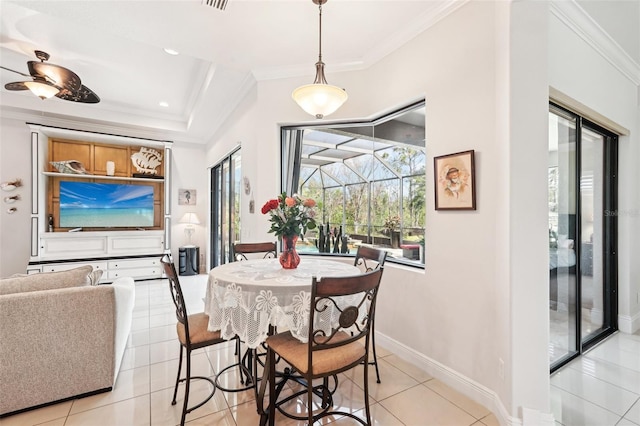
219,4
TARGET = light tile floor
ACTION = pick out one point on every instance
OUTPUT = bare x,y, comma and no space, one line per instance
143,391
602,387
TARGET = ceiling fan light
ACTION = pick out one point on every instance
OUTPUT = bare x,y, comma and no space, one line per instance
42,90
319,100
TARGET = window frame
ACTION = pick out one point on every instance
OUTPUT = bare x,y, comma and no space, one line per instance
291,156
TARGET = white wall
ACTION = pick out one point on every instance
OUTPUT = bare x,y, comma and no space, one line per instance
578,70
15,162
455,318
189,171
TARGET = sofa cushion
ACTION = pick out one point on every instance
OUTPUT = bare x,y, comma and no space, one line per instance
76,277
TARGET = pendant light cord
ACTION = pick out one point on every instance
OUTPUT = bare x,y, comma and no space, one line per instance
320,33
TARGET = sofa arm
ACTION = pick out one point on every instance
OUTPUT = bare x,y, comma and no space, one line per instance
56,344
124,295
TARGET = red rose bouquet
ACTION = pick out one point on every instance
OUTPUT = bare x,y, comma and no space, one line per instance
290,215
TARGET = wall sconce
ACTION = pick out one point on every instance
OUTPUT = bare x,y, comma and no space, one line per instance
190,219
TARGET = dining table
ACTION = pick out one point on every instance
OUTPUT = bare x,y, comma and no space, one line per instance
254,298
251,298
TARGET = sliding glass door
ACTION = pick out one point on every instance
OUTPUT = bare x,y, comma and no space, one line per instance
582,234
225,207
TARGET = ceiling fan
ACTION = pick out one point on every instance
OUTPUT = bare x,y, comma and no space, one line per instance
53,80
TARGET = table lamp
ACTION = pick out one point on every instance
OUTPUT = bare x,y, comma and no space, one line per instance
190,219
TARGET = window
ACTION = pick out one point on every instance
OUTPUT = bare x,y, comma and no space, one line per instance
368,180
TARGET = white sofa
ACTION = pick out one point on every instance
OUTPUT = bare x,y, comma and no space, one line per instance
61,336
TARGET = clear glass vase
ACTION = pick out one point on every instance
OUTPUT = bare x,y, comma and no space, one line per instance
289,258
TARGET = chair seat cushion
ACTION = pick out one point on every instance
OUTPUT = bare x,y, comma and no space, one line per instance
324,361
198,332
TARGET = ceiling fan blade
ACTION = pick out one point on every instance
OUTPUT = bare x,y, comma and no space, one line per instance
59,76
83,95
18,85
17,72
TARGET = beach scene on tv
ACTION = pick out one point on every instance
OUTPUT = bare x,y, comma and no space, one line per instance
105,205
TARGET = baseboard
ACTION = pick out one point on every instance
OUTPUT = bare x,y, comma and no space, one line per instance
58,401
627,324
464,385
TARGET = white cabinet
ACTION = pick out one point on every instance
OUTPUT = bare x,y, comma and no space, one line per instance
133,254
57,267
73,245
143,242
141,268
67,246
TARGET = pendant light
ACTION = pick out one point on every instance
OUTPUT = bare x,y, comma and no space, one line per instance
320,98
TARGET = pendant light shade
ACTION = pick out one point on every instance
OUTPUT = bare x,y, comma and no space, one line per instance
320,98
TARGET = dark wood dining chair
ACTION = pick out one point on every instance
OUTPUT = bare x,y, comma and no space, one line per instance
269,250
369,259
240,250
192,334
334,345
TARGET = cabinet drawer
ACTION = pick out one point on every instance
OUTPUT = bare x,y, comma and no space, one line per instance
57,267
150,272
135,263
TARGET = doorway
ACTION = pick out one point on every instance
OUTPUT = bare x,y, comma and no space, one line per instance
225,207
582,234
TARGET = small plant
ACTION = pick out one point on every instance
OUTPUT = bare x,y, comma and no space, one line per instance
392,223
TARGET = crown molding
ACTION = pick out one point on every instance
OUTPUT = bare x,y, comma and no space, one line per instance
95,126
578,20
247,85
410,31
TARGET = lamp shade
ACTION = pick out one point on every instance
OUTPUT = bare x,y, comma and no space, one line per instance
190,218
319,99
41,89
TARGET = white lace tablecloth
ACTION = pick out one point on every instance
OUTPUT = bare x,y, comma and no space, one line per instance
244,298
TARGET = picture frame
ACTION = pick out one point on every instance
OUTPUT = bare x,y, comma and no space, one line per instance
455,181
187,197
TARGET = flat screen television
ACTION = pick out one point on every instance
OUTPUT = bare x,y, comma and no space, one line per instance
105,205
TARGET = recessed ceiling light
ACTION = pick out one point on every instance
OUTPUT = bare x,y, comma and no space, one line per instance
164,104
171,51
